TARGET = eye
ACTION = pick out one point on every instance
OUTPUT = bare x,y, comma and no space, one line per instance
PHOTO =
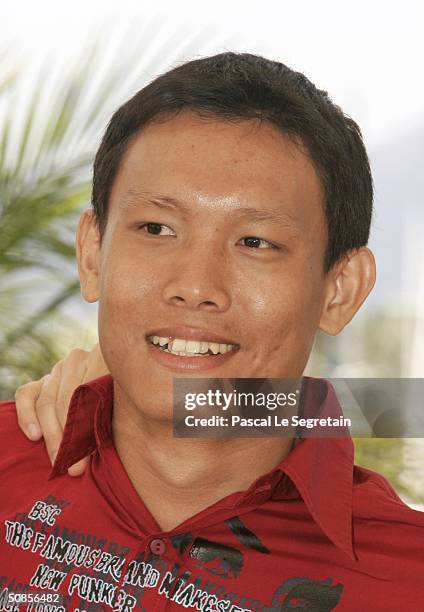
253,242
157,229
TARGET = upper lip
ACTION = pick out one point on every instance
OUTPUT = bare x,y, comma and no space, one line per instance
190,333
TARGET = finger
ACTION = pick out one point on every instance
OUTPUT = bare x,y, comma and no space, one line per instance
95,364
25,398
72,376
46,411
79,468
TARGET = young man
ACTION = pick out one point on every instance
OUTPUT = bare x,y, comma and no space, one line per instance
231,208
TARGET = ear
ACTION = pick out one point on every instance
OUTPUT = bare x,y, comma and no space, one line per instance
348,284
88,256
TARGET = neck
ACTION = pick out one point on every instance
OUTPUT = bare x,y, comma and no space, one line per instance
190,473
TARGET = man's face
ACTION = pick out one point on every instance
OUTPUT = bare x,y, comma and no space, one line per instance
216,234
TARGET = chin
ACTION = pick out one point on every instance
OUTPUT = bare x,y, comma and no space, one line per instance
149,395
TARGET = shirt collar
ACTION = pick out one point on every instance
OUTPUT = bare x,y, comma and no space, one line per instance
321,469
88,425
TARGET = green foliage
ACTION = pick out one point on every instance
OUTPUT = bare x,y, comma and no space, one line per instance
383,455
371,346
47,142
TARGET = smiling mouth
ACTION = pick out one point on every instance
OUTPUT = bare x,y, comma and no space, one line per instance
190,348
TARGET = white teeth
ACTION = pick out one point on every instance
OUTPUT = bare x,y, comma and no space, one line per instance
192,346
203,347
214,347
189,348
178,345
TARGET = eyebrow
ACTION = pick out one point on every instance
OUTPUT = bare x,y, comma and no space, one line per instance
134,197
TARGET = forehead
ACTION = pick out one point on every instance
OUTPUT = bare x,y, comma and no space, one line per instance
206,160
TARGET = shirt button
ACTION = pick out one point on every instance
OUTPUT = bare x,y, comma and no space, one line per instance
158,546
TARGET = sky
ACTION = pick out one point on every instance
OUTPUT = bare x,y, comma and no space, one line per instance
367,54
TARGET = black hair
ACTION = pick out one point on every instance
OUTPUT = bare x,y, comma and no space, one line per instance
242,86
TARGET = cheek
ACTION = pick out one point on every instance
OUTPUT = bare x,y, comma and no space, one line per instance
127,278
128,291
283,315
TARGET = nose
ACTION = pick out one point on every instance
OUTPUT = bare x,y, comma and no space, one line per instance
199,282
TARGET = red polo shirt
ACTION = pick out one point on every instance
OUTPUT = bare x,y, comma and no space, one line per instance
315,533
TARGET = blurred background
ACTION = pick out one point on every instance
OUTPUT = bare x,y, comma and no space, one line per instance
65,67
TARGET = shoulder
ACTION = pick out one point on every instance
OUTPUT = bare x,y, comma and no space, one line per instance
21,461
9,421
11,437
388,534
376,502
